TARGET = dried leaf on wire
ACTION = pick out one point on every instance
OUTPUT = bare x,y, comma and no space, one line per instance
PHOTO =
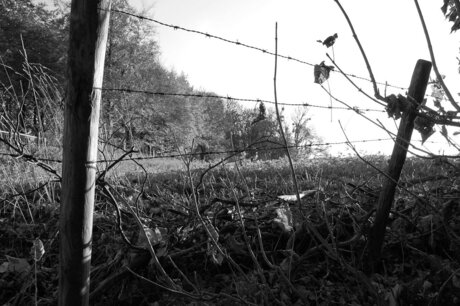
330,41
321,72
396,106
425,126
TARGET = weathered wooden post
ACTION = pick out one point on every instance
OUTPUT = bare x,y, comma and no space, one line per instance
416,92
89,21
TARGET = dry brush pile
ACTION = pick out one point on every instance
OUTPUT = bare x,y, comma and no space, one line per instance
235,236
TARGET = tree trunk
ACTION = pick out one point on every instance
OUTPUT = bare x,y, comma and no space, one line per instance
88,37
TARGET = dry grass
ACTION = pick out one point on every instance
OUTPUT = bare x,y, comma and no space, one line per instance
275,272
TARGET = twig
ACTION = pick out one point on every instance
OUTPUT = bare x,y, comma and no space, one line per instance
178,292
24,193
234,153
245,235
114,163
206,296
150,247
188,251
445,283
144,181
206,225
112,200
183,275
433,60
371,74
403,140
310,228
384,173
354,84
278,117
293,288
261,246
380,125
329,87
29,158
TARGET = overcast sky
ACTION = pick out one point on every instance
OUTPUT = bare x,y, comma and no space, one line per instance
390,32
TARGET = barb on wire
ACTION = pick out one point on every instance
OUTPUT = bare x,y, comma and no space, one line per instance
364,116
27,156
380,125
238,43
198,95
430,114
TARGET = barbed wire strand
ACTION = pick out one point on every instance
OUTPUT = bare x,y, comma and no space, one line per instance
380,125
197,95
236,42
281,147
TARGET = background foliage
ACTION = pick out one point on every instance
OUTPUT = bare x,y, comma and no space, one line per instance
33,54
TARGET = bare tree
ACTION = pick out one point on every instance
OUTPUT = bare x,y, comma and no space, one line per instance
300,132
89,21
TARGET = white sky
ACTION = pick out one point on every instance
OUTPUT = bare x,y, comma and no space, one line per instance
389,30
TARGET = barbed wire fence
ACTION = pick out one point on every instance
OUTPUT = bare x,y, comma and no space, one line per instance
162,155
238,43
230,98
441,118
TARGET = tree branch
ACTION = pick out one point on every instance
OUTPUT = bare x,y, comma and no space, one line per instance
356,86
278,117
433,60
371,74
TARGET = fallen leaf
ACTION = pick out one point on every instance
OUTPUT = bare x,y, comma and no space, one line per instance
283,218
456,281
4,267
293,197
19,265
38,250
154,236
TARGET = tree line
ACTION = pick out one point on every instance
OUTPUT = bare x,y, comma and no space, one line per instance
33,55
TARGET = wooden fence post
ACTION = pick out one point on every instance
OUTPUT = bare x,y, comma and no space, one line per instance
89,21
416,92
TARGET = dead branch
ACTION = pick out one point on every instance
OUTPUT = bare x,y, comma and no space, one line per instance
355,36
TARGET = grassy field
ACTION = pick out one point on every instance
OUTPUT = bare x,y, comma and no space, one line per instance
224,237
